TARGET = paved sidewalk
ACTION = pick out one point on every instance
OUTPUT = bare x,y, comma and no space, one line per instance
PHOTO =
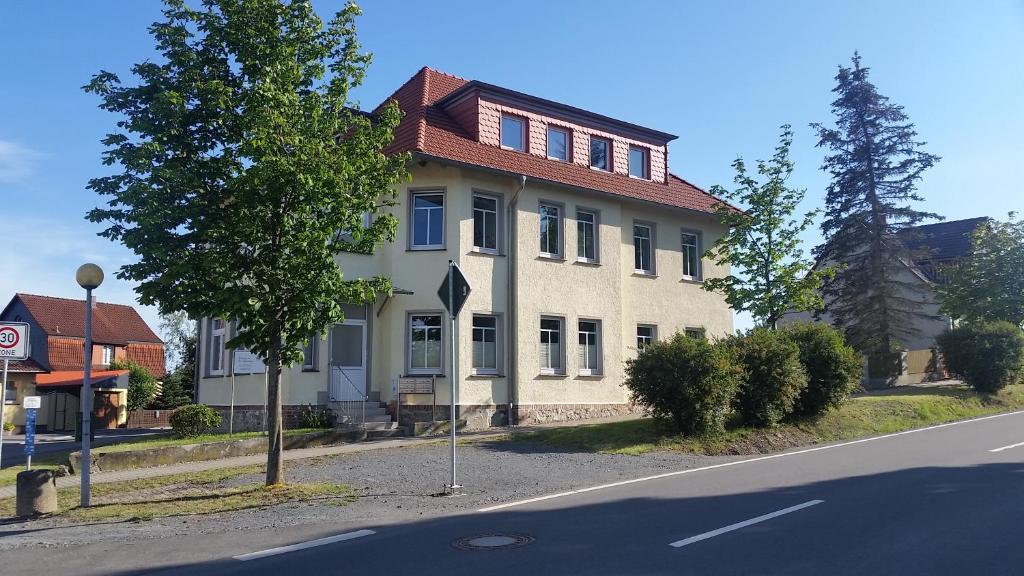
298,454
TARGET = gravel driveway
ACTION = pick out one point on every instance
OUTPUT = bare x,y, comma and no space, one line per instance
393,484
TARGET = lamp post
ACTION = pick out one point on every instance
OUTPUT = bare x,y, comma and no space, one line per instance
89,276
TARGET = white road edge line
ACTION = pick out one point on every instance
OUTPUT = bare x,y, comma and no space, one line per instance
304,545
738,462
744,524
1007,447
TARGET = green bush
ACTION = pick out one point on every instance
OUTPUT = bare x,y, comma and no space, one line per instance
141,384
316,417
834,369
8,427
686,379
194,420
986,355
773,377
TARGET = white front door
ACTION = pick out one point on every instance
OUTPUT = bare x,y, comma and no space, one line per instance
348,361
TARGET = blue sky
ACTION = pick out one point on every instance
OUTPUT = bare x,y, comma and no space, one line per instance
723,76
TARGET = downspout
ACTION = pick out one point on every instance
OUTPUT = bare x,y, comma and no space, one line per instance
513,372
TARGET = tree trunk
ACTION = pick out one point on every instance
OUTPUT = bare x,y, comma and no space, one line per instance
275,435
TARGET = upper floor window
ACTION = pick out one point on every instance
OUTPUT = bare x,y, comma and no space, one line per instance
691,256
599,153
558,144
590,347
586,236
639,162
215,355
485,223
643,249
485,344
108,355
645,335
550,230
513,133
11,394
427,220
698,333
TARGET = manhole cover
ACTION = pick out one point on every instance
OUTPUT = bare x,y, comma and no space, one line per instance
492,542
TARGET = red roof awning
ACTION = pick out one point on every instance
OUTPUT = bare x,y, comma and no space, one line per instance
74,378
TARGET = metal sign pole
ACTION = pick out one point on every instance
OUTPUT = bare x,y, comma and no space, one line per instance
451,375
3,402
86,401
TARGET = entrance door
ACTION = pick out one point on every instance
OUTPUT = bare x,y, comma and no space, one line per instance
348,358
106,410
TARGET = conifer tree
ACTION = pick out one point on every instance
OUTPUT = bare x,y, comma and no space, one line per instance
875,161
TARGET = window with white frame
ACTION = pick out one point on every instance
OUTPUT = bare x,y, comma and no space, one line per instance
11,392
485,223
215,355
600,149
643,248
558,144
551,359
590,347
550,230
485,344
427,220
108,355
309,352
354,236
425,355
513,133
645,335
639,162
586,236
691,256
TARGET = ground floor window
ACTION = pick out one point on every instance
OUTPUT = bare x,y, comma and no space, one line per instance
309,352
551,346
645,335
11,394
590,347
485,344
698,333
215,355
425,355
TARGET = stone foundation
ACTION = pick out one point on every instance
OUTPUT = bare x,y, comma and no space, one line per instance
527,414
250,418
477,416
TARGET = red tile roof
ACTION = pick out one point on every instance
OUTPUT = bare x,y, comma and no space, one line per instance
111,323
149,356
426,130
28,365
72,378
68,353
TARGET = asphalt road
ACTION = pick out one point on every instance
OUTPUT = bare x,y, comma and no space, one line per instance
49,443
938,501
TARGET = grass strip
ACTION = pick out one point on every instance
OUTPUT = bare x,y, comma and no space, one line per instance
871,414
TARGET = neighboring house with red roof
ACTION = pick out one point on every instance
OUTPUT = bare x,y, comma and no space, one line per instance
55,367
578,241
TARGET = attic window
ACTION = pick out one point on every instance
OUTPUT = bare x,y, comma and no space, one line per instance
639,162
513,133
558,144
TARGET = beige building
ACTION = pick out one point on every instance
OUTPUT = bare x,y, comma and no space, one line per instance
577,241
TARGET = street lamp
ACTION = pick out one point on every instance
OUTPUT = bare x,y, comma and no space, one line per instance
89,276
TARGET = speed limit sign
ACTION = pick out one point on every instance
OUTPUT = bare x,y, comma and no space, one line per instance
13,341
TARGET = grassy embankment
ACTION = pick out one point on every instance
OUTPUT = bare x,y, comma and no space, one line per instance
865,415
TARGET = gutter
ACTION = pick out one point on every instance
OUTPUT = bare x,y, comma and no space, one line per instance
513,372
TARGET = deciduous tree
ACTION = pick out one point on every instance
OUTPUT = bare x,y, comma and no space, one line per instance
241,170
988,283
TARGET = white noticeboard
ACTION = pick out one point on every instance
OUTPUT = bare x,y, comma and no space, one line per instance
246,362
29,402
13,341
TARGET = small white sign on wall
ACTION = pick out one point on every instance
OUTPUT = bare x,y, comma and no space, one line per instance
246,362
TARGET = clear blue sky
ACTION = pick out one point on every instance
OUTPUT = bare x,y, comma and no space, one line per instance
721,75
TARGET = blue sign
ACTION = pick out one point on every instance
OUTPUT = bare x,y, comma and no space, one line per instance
30,431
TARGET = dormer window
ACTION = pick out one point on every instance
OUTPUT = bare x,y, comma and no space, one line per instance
558,144
639,163
599,149
513,133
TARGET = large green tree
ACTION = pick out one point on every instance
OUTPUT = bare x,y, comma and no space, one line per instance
770,274
988,283
241,170
876,161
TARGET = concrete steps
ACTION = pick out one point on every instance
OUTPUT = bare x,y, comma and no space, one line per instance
377,424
